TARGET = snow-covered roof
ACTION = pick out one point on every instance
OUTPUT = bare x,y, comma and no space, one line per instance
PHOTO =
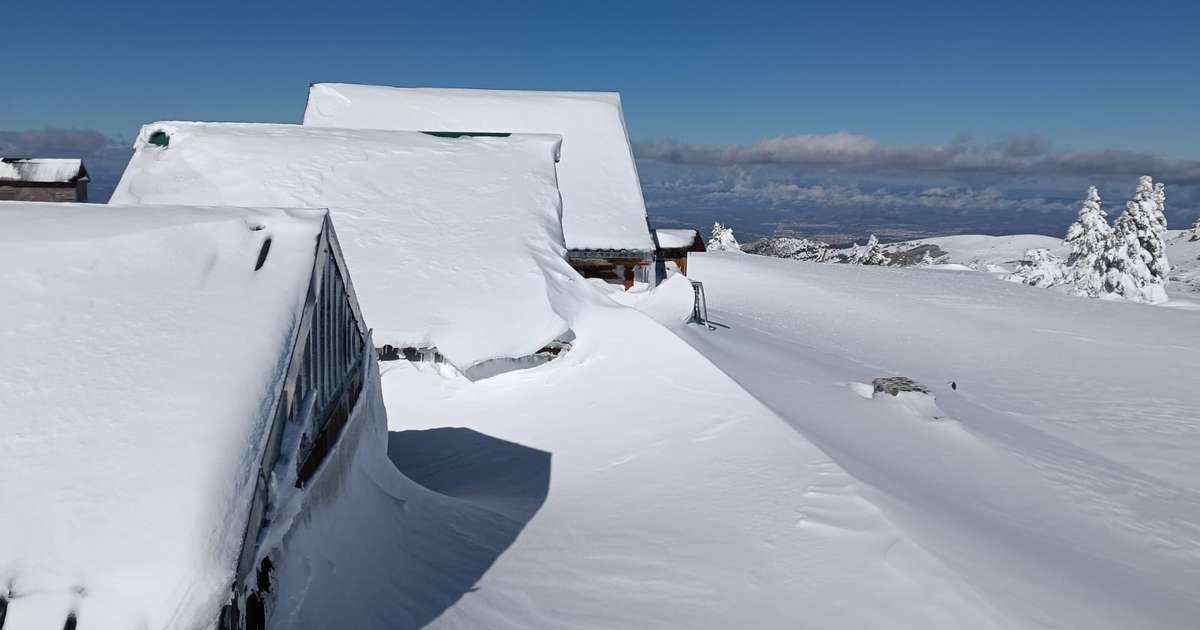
42,170
677,238
142,354
602,196
449,240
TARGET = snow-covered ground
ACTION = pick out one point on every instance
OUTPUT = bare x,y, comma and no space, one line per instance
1062,489
664,475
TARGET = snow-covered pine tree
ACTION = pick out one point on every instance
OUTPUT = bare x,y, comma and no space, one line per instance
870,254
1136,260
1040,268
1195,230
1160,211
722,239
1088,237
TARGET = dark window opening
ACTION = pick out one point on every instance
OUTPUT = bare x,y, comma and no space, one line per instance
160,139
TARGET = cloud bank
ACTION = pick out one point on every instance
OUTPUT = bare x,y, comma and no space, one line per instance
843,185
1018,155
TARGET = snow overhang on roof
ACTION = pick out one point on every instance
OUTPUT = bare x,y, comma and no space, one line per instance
142,354
679,239
42,170
449,240
602,196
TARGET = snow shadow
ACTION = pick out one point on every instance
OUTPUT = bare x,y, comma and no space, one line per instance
500,476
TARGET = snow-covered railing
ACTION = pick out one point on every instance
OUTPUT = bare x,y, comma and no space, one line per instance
321,385
699,305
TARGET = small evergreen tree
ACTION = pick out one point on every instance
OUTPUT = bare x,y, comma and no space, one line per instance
1088,237
1135,262
1040,268
1195,230
722,239
871,254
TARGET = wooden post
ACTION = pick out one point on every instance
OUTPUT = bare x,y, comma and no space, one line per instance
628,276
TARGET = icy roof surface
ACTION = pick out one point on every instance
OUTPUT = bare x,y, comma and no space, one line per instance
448,240
674,238
142,353
41,170
602,196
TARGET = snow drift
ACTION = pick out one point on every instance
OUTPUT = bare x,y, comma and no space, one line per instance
142,355
451,242
602,196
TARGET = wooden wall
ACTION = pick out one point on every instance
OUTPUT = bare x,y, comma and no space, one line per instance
20,191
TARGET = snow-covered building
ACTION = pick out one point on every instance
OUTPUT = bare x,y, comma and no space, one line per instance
604,215
674,245
452,240
170,376
41,179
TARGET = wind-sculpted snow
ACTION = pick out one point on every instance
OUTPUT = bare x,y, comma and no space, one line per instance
602,198
451,242
1061,485
141,354
675,500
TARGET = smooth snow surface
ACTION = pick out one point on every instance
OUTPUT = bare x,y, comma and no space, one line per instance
663,475
451,242
674,499
1062,484
142,354
981,251
602,197
40,170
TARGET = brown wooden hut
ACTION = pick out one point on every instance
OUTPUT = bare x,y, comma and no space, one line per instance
675,244
34,179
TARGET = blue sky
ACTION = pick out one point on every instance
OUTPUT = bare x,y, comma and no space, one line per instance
1078,76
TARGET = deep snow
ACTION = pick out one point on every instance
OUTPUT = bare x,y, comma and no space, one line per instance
450,242
141,357
1064,489
747,477
602,196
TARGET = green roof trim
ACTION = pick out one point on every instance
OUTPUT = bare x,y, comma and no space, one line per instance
469,134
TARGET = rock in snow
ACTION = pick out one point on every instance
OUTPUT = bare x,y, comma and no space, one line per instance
893,385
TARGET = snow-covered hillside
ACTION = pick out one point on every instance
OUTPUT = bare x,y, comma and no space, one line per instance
1061,487
994,254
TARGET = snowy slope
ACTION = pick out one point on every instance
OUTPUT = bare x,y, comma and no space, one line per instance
1183,251
1063,490
602,197
980,251
675,500
142,353
451,242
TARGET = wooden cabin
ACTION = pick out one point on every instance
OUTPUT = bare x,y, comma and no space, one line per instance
35,179
615,266
223,354
674,245
603,212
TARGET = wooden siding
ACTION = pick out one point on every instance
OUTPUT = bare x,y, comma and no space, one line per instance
28,191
